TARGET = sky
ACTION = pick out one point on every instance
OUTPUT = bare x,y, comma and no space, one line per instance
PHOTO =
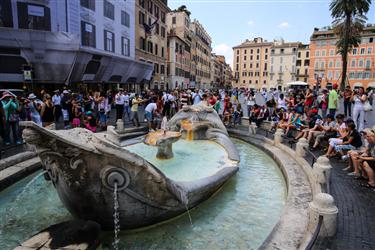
231,22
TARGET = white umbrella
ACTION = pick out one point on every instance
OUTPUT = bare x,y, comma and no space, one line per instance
298,83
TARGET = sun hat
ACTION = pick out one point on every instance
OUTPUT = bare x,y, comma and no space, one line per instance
55,91
65,92
6,94
32,96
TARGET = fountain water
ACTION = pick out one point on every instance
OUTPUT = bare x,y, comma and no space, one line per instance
116,217
14,204
188,126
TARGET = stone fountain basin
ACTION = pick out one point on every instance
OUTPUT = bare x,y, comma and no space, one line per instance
193,160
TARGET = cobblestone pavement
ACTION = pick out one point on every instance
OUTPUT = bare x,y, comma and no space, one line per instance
356,218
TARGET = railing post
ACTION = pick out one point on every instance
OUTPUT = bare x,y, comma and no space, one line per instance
279,136
120,125
322,170
324,205
301,147
252,128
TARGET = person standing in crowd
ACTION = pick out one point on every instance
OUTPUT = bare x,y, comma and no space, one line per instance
33,108
196,97
150,112
309,99
134,109
103,107
120,102
333,100
359,98
47,111
281,102
56,101
127,111
347,101
2,121
250,102
323,103
10,106
65,105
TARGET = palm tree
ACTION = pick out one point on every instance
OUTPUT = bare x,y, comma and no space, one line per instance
348,21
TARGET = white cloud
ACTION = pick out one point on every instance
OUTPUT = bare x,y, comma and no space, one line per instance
225,50
251,23
283,25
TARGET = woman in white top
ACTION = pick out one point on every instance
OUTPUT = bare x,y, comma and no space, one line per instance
250,102
281,103
359,98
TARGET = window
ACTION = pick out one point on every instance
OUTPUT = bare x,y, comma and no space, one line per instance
150,7
109,10
323,53
307,54
360,63
142,43
258,51
244,58
174,20
245,51
35,17
368,64
330,64
141,17
281,51
244,66
88,34
299,54
353,63
142,3
89,4
156,12
125,46
125,18
162,32
6,14
251,51
363,51
316,65
162,52
322,65
156,68
156,49
338,64
150,47
317,53
354,51
369,50
157,28
251,65
332,52
162,69
281,59
109,41
330,75
163,16
257,57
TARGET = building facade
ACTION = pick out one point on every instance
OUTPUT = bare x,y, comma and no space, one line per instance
179,49
283,63
201,56
64,42
303,63
326,65
151,39
251,64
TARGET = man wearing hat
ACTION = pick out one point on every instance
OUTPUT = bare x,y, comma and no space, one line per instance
333,100
34,108
65,106
56,100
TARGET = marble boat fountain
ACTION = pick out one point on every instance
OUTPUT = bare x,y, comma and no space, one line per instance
157,176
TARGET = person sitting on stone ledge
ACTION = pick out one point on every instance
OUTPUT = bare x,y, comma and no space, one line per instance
327,131
355,165
351,141
368,162
295,123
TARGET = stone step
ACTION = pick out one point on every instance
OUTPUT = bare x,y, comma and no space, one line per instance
16,172
14,159
136,129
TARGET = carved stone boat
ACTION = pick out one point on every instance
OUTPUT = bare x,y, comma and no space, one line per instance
84,168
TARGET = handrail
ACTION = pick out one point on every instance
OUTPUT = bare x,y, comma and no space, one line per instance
316,234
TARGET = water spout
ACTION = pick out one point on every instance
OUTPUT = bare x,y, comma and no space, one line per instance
116,218
188,212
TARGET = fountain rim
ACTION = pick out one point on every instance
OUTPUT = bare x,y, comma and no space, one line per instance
295,216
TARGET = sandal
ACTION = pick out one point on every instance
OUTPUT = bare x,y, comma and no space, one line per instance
366,185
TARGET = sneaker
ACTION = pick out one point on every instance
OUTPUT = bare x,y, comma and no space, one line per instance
352,174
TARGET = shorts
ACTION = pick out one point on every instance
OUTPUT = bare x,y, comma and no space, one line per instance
371,164
65,114
149,116
344,147
334,141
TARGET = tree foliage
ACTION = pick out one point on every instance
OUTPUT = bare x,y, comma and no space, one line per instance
184,9
348,23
